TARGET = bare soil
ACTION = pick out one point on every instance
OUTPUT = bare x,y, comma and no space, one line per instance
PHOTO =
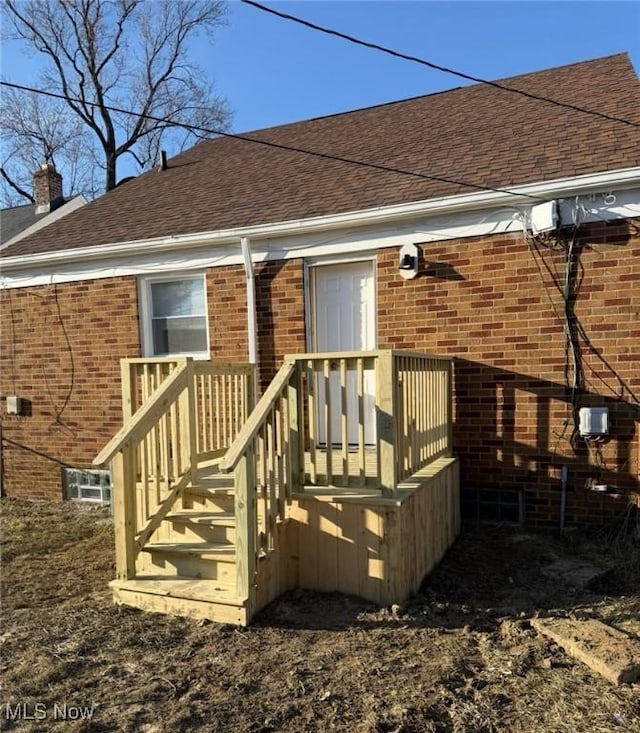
459,657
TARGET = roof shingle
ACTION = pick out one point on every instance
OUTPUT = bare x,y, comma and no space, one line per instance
477,134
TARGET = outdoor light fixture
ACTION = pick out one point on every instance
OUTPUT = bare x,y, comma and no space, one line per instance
409,261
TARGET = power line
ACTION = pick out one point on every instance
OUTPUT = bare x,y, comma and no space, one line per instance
279,146
431,65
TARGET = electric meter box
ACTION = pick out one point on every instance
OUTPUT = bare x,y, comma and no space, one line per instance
544,217
594,421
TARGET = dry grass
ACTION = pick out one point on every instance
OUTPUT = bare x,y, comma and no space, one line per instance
460,657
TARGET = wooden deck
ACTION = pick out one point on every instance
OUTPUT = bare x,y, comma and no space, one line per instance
348,539
222,505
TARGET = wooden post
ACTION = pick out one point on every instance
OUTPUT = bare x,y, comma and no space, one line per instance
192,418
251,391
386,423
129,389
449,399
245,506
296,447
124,513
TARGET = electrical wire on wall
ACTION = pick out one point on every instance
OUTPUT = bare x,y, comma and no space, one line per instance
566,286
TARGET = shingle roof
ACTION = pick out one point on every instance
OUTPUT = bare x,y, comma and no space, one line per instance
478,133
16,219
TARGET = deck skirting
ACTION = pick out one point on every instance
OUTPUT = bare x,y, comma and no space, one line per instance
361,543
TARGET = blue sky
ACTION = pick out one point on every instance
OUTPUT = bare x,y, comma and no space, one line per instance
273,71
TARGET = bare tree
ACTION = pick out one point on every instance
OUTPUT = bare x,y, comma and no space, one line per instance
130,54
37,130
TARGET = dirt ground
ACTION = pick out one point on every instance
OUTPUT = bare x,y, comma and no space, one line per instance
459,657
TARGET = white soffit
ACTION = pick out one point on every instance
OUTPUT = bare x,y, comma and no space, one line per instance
608,196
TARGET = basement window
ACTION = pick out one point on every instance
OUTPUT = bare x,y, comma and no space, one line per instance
174,316
87,485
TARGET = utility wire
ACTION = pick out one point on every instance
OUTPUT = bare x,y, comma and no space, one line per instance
267,143
431,65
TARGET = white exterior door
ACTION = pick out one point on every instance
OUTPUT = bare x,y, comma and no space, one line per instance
343,304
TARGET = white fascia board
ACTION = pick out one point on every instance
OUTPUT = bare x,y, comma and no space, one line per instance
328,243
358,241
423,221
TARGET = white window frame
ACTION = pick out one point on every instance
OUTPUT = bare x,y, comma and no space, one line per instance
146,312
83,484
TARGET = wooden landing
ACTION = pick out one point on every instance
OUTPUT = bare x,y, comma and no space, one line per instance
191,597
378,548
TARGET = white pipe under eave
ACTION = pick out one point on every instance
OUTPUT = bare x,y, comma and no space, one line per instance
252,314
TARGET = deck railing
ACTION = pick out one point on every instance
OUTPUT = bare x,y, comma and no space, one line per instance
224,396
187,412
321,419
372,418
423,415
265,461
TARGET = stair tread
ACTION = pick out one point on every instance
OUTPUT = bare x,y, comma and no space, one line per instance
202,517
180,587
225,551
209,489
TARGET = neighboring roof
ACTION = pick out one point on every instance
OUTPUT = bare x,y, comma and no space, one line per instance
479,134
16,219
18,222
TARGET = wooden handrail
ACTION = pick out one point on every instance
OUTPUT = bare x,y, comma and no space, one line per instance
421,355
218,367
332,355
250,428
143,420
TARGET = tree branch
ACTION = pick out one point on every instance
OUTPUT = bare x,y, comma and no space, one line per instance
16,187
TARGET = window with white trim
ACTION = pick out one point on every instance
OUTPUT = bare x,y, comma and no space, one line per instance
174,316
87,485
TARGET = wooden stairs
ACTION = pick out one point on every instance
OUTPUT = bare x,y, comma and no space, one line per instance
188,566
221,504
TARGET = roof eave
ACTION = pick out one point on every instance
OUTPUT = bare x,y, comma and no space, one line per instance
522,195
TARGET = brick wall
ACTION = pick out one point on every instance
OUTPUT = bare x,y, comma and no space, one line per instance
482,300
280,307
281,317
60,353
489,303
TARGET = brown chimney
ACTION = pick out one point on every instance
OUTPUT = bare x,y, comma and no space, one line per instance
47,185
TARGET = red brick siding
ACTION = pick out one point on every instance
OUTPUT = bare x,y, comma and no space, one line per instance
72,389
486,305
281,316
227,306
61,347
280,307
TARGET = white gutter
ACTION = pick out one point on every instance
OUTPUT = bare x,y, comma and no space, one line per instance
596,182
252,315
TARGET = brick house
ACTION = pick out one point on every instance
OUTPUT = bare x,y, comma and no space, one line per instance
156,267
